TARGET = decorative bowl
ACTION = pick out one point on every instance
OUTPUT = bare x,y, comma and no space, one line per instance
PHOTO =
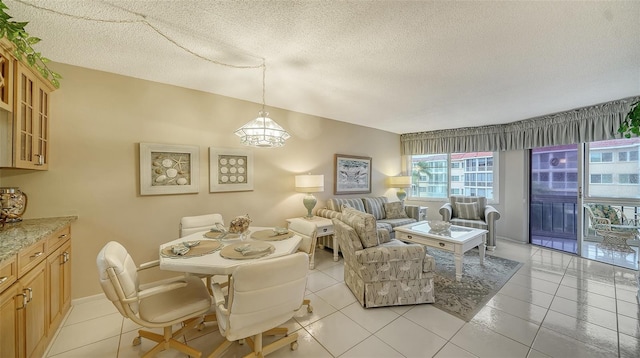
439,225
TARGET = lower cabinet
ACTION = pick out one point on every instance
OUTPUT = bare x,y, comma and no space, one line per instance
32,308
9,328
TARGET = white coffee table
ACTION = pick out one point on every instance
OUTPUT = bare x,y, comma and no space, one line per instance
457,239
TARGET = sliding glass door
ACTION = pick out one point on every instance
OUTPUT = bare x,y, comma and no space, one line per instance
553,212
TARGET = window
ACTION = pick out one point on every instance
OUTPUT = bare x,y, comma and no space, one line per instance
601,157
628,178
601,178
441,175
628,156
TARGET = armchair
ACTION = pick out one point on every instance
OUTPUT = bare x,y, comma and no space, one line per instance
613,226
159,305
381,271
472,211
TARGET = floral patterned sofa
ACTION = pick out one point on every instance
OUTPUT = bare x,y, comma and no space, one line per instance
381,271
388,215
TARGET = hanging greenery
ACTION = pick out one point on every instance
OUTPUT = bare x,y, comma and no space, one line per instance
631,123
15,32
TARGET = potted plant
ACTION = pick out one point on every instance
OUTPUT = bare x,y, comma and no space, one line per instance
631,123
23,42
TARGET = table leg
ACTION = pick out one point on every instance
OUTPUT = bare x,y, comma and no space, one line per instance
458,259
481,248
336,249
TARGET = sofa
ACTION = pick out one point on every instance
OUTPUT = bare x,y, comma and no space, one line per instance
388,215
381,271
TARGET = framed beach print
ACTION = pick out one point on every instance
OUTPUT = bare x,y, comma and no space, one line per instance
352,174
230,169
169,169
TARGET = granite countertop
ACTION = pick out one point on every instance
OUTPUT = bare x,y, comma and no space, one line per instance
15,236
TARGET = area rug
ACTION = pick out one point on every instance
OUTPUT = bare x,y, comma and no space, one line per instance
479,282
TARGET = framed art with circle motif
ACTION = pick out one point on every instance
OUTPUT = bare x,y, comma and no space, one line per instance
230,169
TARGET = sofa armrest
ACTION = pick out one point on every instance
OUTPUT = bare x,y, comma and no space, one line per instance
491,214
414,212
329,214
445,212
390,253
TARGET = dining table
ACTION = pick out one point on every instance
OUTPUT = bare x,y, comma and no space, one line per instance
213,255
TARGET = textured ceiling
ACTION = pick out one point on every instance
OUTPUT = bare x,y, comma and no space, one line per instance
399,66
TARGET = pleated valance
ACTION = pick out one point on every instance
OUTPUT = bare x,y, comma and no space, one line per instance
586,124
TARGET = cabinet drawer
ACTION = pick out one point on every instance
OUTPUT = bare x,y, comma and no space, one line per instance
29,257
8,273
325,230
443,245
58,238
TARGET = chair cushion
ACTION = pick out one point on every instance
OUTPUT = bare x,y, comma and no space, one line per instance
374,206
183,303
395,210
476,224
481,200
605,211
364,224
468,211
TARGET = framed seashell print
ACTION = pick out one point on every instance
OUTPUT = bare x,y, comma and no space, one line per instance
169,169
230,169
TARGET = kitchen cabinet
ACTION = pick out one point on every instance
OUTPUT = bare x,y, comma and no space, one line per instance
31,120
35,293
59,269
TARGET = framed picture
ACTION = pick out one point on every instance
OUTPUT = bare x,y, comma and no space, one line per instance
230,169
169,169
353,174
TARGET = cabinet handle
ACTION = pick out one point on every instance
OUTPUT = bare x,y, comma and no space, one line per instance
324,230
24,300
30,293
409,237
3,278
62,236
40,159
441,244
65,257
37,254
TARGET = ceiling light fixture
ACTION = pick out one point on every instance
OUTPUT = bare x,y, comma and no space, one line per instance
262,132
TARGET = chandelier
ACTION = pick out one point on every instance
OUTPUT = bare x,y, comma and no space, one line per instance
262,132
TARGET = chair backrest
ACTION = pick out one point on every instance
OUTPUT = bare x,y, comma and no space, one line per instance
307,231
481,200
601,211
265,294
118,276
336,204
192,224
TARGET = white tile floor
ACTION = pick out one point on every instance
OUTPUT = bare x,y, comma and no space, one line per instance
556,305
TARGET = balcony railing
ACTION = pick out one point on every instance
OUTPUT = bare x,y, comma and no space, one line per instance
554,216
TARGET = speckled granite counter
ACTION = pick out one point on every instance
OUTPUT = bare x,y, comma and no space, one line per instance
15,236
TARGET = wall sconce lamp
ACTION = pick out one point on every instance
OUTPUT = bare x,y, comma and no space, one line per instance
400,182
309,184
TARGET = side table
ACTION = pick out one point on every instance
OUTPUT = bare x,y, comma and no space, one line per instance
325,231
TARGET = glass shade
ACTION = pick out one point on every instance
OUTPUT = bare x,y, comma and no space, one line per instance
262,132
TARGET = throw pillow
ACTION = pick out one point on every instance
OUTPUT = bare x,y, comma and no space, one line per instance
395,210
468,211
364,224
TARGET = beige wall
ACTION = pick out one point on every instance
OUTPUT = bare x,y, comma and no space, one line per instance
99,118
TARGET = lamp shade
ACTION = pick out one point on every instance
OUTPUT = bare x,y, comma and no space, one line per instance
262,132
309,183
399,182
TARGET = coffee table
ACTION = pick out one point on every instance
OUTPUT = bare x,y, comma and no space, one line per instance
457,239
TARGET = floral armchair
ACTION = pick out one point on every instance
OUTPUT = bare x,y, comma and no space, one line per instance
381,271
613,226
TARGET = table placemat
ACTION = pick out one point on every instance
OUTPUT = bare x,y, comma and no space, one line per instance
270,235
258,249
205,247
216,234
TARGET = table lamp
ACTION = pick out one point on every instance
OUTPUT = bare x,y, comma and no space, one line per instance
400,182
309,184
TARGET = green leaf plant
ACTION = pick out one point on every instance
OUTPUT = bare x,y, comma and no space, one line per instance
15,32
630,125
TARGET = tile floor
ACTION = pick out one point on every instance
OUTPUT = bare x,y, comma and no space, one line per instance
556,305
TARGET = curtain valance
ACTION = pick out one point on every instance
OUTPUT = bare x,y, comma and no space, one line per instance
587,124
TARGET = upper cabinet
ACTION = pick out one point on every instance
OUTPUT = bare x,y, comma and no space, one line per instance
24,101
